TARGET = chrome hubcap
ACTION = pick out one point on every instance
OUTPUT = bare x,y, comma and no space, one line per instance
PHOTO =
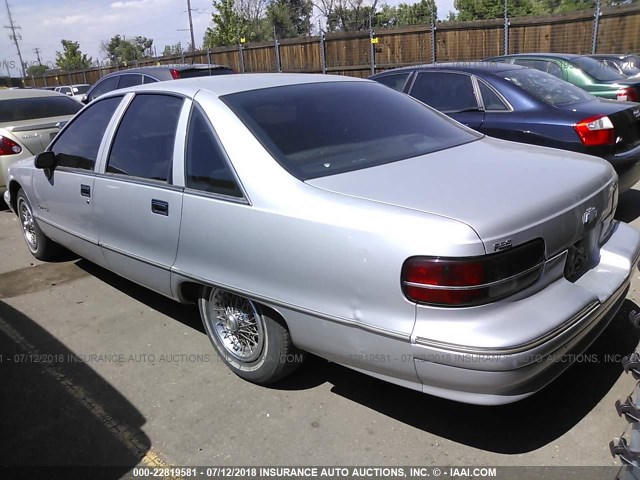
28,226
236,323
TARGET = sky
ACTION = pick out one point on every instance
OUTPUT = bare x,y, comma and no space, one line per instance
44,23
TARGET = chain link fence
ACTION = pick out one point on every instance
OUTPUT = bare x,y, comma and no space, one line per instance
366,51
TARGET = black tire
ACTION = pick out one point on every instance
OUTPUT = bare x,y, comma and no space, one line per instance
255,346
40,246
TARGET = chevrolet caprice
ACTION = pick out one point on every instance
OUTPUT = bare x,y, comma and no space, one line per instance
309,213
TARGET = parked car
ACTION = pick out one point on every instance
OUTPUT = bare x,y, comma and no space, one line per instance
144,75
627,65
584,72
407,247
29,119
77,92
529,106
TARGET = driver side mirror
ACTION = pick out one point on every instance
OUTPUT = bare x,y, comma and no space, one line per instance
46,161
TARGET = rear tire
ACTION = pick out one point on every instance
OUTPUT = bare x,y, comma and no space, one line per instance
40,246
254,345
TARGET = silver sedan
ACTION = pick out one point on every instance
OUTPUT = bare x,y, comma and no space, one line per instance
332,215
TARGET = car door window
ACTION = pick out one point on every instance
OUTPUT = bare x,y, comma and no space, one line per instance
130,80
106,85
491,100
148,79
447,92
397,81
78,145
143,144
206,166
555,70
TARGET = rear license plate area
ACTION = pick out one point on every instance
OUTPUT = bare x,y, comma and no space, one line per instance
577,260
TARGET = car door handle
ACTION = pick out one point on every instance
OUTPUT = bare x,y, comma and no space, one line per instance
85,190
160,207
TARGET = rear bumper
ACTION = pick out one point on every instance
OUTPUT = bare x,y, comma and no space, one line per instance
505,372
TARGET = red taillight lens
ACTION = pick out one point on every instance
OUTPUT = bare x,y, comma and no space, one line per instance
472,281
175,74
596,130
9,147
628,94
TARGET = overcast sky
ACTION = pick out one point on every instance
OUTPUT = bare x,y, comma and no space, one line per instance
45,22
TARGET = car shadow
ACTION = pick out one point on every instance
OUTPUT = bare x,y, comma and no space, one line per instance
541,418
510,429
57,411
628,206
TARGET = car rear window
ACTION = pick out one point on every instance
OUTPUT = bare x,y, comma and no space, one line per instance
597,69
18,109
546,87
204,72
319,129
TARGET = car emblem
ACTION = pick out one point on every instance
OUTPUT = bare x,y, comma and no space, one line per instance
636,113
502,245
589,216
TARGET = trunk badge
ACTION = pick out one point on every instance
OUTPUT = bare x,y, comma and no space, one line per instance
636,113
589,216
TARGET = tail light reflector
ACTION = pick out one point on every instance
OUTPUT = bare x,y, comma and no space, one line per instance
9,147
471,281
628,94
596,130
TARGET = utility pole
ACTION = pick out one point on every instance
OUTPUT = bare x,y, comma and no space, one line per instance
14,36
193,42
37,52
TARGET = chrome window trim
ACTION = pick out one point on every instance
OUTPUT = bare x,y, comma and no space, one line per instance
216,196
139,181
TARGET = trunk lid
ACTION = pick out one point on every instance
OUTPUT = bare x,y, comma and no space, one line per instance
35,135
509,193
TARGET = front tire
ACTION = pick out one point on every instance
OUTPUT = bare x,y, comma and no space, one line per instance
254,345
40,246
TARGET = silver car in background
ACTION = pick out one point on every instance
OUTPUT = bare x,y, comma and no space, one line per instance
29,120
333,215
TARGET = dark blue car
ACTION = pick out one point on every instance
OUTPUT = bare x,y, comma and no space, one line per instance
529,106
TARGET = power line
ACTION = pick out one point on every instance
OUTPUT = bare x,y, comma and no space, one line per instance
14,36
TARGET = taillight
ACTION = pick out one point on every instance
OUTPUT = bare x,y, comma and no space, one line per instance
596,130
9,147
175,74
470,281
628,94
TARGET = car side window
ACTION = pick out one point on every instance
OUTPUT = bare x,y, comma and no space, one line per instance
106,85
206,168
148,79
491,100
555,70
397,81
78,145
447,92
143,144
130,80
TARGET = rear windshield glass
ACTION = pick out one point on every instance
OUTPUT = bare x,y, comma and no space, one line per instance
319,129
80,89
597,69
19,109
546,87
204,72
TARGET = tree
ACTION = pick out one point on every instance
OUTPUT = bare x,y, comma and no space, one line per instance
71,58
36,70
227,25
175,49
291,18
119,49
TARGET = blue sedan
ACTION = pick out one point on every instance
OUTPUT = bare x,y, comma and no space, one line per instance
529,106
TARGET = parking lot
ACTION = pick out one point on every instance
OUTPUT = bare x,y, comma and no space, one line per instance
99,371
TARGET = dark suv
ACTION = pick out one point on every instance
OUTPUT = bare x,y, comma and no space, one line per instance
138,76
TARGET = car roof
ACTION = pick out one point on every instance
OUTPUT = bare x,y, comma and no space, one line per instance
28,93
226,84
470,67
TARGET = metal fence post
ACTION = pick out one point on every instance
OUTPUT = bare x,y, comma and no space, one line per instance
241,54
323,53
84,76
276,45
372,46
209,58
433,35
596,26
44,77
506,27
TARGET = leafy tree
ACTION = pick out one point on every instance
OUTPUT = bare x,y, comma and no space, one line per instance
119,49
71,58
227,25
291,18
417,13
175,49
36,70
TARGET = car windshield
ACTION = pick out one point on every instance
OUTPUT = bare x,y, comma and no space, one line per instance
81,89
597,69
546,87
18,109
319,129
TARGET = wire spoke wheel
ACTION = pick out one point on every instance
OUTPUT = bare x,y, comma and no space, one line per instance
28,225
236,323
